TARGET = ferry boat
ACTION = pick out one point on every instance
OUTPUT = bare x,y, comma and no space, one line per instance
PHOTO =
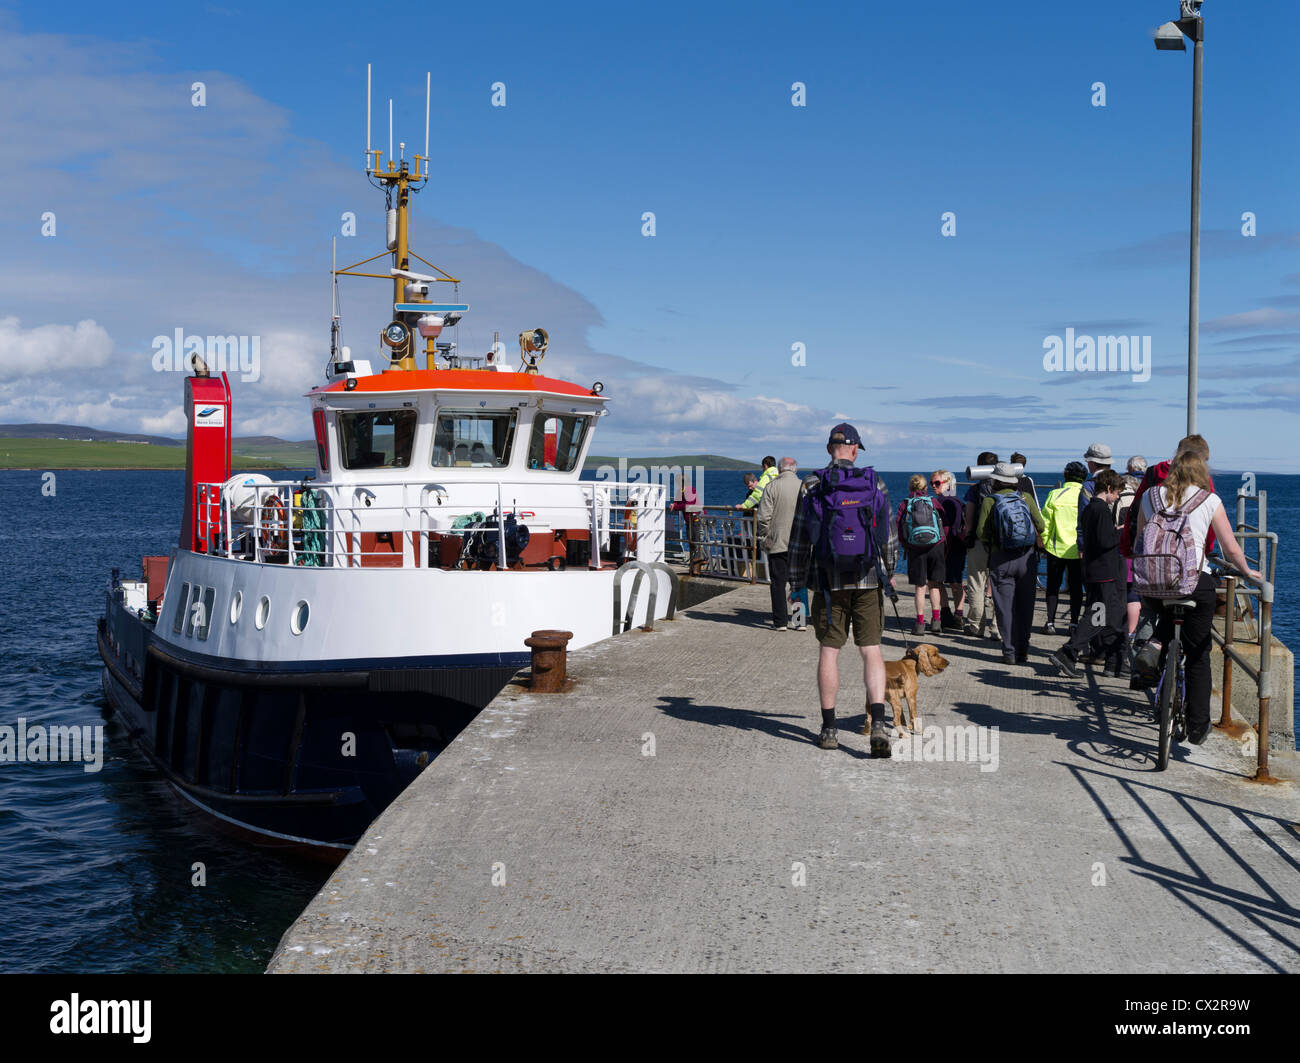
310,645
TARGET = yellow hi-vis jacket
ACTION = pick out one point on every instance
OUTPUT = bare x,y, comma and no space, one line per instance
756,495
1060,517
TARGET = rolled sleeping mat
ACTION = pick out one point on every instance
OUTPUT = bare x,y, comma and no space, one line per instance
983,472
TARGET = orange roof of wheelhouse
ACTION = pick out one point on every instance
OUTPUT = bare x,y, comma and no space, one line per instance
455,380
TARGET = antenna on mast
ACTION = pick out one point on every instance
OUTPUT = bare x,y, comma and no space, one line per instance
334,303
390,131
367,118
428,87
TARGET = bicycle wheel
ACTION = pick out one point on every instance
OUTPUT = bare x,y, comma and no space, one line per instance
1179,725
1168,684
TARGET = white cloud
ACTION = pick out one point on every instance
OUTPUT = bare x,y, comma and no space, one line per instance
45,349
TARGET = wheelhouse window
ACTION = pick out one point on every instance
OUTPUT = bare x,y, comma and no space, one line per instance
557,441
477,439
377,439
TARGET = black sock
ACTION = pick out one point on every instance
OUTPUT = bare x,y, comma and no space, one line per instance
828,717
876,710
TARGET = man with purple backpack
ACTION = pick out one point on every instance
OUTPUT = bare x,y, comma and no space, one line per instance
842,548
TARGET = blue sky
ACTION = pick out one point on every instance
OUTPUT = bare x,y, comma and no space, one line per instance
775,224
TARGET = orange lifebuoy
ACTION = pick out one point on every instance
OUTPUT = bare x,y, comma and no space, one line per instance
273,532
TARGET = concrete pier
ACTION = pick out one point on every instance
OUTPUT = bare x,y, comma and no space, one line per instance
672,813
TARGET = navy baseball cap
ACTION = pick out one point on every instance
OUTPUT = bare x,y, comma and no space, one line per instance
844,435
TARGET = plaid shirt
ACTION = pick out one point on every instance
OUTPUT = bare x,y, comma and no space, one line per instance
804,569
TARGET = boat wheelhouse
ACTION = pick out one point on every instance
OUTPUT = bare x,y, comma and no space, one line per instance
311,644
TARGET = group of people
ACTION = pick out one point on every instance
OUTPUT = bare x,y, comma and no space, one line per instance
834,537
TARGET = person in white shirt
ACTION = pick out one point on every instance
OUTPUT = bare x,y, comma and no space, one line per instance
1188,476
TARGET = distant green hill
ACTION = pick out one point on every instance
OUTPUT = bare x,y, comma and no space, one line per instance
80,454
708,461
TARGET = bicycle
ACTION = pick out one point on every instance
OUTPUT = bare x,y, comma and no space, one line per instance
1170,693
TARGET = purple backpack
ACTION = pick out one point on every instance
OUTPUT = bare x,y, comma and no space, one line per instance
845,508
1166,563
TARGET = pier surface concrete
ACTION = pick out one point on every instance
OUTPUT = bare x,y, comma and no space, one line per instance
672,813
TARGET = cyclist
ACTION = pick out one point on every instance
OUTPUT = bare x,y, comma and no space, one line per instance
1188,476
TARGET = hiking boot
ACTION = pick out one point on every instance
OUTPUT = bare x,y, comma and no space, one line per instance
970,629
879,735
935,626
920,628
1049,628
829,738
1064,661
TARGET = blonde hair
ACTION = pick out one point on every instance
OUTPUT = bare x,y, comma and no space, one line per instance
947,479
1188,469
916,483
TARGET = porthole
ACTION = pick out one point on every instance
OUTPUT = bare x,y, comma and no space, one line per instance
301,614
236,606
263,611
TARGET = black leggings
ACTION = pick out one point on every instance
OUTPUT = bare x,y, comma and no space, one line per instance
1196,647
1073,573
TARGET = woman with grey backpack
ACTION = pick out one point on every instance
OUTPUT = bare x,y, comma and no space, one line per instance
1169,539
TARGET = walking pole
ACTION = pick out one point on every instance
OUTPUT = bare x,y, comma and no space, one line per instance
888,589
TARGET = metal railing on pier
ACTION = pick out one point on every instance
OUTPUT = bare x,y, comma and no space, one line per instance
1242,589
717,541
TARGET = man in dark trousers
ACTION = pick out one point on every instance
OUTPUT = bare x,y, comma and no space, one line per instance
1104,573
775,516
1011,527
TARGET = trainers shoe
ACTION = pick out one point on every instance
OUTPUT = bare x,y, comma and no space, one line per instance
1008,657
936,627
1022,658
1064,661
1049,628
880,737
970,629
920,628
948,621
1197,734
1111,668
829,738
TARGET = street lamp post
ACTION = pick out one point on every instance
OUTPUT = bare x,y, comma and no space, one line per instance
1169,37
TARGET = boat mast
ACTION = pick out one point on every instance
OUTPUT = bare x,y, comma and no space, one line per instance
415,315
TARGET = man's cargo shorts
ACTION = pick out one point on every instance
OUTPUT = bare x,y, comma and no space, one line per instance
863,609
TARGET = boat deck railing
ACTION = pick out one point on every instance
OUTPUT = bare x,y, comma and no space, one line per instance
322,525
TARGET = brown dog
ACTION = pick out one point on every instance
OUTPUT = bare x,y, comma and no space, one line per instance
900,682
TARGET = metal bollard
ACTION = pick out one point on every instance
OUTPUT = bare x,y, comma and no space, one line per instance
549,664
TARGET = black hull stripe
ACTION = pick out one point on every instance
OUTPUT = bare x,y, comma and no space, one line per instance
128,683
298,797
